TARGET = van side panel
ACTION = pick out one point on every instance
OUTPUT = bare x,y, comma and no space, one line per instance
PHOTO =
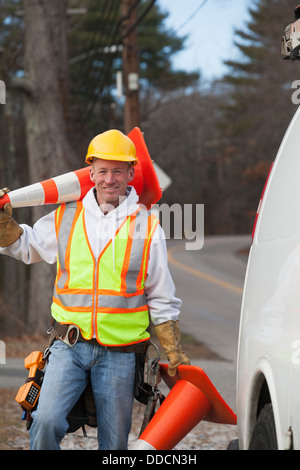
270,314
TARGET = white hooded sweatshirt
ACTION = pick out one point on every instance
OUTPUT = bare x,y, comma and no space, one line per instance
39,243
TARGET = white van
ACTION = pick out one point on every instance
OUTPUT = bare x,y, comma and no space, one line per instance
268,376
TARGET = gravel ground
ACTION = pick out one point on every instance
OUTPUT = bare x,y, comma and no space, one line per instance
205,436
14,436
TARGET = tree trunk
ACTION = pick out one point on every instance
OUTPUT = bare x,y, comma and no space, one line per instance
46,97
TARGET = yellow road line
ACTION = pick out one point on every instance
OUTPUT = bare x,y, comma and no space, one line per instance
200,274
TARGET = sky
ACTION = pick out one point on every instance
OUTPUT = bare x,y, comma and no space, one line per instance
210,26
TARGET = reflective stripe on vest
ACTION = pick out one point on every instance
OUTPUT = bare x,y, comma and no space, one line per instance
105,296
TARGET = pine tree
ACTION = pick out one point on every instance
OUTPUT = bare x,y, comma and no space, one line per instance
95,41
258,106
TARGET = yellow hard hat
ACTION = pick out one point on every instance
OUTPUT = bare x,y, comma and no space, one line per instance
112,145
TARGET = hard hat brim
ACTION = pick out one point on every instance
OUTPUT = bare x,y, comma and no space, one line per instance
119,158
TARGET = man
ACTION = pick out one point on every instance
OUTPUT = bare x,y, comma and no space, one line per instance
111,270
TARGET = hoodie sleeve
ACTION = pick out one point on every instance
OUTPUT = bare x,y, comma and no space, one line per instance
37,243
159,285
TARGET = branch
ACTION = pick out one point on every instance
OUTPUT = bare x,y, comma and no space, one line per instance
22,84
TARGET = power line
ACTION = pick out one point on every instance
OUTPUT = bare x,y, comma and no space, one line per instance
93,42
140,18
192,15
131,9
109,58
118,46
104,50
93,82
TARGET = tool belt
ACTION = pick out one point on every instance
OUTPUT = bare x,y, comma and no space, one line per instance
84,411
145,391
70,334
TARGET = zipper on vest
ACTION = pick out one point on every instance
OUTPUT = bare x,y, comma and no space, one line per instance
96,283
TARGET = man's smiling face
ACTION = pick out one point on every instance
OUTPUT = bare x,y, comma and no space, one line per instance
111,179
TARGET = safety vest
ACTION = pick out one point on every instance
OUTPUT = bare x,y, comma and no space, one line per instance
105,302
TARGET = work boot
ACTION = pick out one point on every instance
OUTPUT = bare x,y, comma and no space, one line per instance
169,335
10,231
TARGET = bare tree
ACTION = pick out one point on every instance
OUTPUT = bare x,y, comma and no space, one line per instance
46,92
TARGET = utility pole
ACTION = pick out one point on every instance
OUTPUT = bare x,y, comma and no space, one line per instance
130,58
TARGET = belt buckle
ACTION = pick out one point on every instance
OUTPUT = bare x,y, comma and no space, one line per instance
72,335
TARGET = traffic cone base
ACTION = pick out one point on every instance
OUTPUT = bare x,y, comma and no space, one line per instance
74,185
192,398
221,413
184,407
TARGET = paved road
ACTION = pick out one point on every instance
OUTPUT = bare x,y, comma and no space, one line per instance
12,374
210,284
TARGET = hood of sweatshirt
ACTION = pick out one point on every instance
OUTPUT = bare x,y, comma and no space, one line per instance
101,228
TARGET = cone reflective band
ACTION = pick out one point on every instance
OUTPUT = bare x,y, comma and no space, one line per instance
192,398
74,185
68,187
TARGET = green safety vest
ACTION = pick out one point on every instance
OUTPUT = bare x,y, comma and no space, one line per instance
103,301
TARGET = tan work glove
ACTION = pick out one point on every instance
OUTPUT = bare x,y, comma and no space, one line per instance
10,231
168,334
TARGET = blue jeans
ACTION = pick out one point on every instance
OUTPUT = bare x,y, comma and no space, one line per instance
67,374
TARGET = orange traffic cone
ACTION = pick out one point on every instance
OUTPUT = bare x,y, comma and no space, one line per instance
145,178
74,185
192,398
64,188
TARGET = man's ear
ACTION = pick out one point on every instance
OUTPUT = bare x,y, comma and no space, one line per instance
130,174
92,173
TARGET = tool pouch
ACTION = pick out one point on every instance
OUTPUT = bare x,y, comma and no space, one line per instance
84,412
142,390
147,375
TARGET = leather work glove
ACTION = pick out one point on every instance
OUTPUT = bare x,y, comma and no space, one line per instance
168,334
10,231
